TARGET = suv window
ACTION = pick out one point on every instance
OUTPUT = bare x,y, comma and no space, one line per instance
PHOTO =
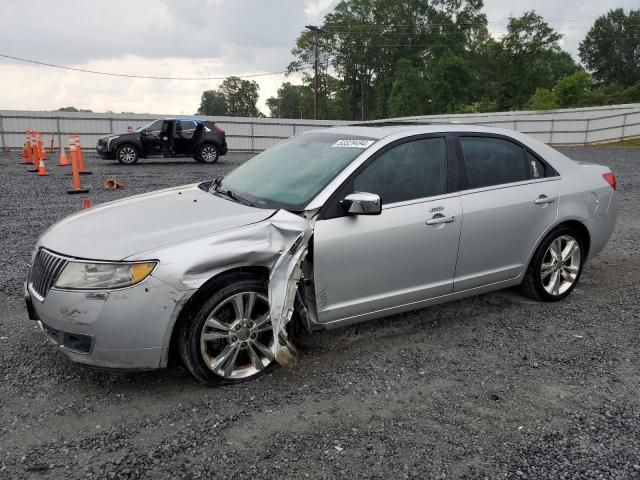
415,169
155,128
492,161
185,128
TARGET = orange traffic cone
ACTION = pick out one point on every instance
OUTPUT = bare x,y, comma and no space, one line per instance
42,169
35,157
51,145
64,161
27,154
77,188
81,165
43,154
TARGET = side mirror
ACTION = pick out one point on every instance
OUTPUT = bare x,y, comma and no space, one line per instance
362,203
144,132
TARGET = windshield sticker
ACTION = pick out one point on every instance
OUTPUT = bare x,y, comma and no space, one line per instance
353,143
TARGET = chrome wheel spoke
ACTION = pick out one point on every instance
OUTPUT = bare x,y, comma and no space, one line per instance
217,324
264,350
209,337
571,269
570,250
547,269
555,283
224,356
263,320
231,363
256,361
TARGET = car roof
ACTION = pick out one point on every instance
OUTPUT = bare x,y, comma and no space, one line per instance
384,129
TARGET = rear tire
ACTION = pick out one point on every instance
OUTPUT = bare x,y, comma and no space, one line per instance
127,154
228,340
208,153
555,269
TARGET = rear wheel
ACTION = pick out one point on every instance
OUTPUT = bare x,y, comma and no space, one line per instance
208,153
230,339
556,266
127,154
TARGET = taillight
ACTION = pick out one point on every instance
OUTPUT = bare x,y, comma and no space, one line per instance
611,179
217,128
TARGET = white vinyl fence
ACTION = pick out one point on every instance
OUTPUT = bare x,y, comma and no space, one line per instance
558,127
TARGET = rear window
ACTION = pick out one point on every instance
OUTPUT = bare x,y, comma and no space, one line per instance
492,161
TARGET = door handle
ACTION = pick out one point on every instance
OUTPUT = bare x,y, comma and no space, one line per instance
543,199
439,219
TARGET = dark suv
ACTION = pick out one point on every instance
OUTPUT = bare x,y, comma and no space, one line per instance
192,137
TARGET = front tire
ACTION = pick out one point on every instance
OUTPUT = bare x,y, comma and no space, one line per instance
230,338
556,266
208,153
127,154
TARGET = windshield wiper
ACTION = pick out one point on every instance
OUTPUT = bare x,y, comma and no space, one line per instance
235,197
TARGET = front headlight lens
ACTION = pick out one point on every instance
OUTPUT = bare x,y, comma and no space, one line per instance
78,275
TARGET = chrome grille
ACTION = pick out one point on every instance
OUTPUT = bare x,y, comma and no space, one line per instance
44,272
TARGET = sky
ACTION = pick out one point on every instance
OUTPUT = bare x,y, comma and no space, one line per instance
187,38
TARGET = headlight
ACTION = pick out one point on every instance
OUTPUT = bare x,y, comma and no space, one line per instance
97,275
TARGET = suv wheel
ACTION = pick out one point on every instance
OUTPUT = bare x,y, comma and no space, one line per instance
208,153
127,154
556,266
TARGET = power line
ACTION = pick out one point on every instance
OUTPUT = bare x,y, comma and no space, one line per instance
126,75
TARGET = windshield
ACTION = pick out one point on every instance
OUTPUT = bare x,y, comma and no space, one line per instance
290,174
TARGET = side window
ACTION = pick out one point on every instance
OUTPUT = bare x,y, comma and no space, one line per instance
492,161
185,128
537,169
155,128
412,170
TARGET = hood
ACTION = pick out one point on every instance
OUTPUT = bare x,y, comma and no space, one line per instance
125,135
119,229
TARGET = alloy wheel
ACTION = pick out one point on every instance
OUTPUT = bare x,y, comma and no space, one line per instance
560,265
236,340
127,155
209,154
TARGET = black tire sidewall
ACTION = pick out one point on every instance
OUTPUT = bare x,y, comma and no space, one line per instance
189,345
129,146
536,264
201,159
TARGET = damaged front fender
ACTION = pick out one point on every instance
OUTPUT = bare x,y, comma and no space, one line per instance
279,243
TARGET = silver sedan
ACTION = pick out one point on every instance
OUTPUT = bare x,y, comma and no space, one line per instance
328,228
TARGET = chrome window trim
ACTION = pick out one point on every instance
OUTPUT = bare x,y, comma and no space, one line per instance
501,186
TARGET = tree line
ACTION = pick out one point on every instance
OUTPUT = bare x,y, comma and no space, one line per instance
392,58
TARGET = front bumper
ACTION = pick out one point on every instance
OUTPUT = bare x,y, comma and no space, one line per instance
104,152
127,329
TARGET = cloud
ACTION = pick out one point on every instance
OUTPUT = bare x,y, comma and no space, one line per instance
184,38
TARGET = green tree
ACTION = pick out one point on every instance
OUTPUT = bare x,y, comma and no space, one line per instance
242,96
531,57
543,99
74,109
291,101
573,90
408,92
611,49
235,97
213,102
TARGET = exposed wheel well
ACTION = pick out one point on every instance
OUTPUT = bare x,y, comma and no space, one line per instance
191,306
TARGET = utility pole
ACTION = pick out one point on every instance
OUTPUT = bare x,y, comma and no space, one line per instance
316,30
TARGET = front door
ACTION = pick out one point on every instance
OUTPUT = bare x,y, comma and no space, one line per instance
151,138
364,264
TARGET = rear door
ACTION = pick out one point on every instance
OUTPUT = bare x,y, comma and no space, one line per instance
365,264
183,136
509,199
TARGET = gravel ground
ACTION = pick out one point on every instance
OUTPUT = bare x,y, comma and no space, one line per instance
489,387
